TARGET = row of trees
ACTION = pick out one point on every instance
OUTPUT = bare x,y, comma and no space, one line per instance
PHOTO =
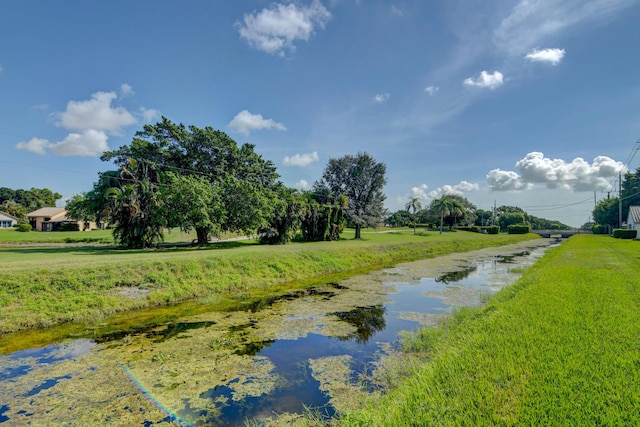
607,212
200,179
18,203
454,210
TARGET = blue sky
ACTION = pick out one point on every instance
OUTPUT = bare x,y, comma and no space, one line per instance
533,103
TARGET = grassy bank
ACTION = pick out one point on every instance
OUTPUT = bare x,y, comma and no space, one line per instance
559,347
44,286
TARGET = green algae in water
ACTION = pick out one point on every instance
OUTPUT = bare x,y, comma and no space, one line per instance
181,363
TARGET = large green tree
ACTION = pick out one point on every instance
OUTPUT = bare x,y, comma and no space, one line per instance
630,194
244,182
510,218
361,179
606,212
192,203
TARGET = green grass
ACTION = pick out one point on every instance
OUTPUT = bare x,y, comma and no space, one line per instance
45,286
559,347
10,235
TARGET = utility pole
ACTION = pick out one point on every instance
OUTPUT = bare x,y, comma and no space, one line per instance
620,200
493,217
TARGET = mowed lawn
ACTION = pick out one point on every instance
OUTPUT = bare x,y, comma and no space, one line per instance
559,347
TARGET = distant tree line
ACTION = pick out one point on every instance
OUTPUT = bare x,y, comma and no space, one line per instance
199,179
453,210
18,203
606,213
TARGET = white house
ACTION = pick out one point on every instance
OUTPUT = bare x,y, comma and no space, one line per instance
7,221
633,220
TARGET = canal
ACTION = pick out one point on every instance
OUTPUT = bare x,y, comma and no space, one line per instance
265,365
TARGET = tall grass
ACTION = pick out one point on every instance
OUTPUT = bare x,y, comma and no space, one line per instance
44,286
559,347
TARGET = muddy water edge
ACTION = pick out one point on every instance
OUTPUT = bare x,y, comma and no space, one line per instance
262,365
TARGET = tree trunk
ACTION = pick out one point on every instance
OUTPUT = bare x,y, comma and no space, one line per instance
441,221
202,236
358,227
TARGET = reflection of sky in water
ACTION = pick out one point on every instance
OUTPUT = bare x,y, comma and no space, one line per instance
56,352
290,351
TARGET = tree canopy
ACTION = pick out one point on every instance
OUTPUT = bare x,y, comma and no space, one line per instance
19,203
361,179
177,176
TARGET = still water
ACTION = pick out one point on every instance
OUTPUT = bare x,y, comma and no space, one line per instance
263,366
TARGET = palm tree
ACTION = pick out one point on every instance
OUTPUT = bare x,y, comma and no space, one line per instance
447,206
442,205
413,205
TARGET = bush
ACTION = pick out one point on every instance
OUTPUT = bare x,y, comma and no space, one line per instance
492,229
624,233
472,228
70,226
599,229
519,229
23,227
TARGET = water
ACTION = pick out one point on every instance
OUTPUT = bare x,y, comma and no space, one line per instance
309,349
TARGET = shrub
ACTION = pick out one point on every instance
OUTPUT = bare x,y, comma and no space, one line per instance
624,233
599,229
70,226
492,229
519,229
23,227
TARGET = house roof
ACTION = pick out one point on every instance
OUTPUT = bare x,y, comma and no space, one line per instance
8,216
634,213
51,211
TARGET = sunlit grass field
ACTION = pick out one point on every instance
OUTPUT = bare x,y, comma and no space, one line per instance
559,347
45,285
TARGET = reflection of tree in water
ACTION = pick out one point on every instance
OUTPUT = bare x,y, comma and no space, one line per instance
158,332
455,276
506,259
367,321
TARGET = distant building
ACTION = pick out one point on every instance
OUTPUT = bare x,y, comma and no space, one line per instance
52,219
7,221
633,219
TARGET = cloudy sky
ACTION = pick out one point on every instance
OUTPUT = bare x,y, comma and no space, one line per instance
533,103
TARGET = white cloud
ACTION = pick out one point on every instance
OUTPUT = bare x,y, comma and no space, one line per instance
485,79
126,90
578,175
301,159
395,10
88,143
506,181
301,185
381,97
244,122
276,29
149,115
458,189
431,90
551,56
34,145
419,191
92,121
96,113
